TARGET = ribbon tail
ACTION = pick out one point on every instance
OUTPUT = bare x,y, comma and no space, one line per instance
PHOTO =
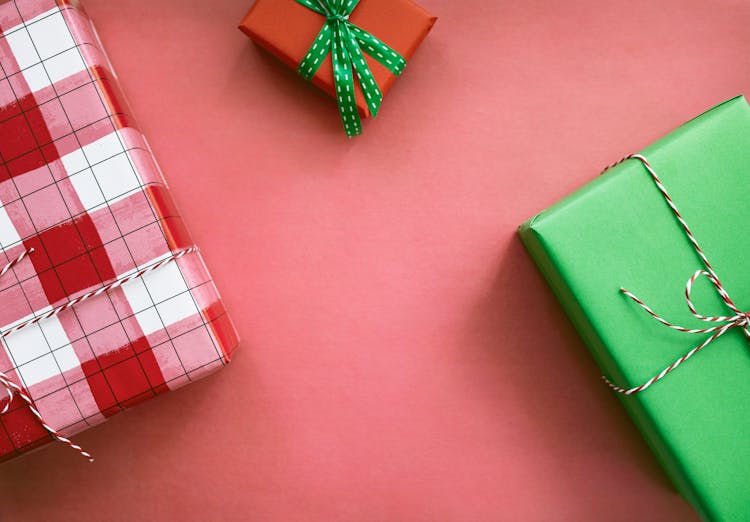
379,50
370,89
344,80
318,51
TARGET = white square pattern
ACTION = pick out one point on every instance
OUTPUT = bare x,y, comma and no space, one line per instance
87,189
103,149
165,283
50,35
74,162
112,168
160,298
38,370
41,351
36,77
66,358
149,321
137,295
20,43
44,50
177,308
63,65
26,345
49,365
8,233
54,333
116,176
101,171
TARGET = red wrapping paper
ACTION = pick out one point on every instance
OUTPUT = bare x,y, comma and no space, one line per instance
79,185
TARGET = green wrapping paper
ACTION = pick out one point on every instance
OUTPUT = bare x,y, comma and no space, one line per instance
618,231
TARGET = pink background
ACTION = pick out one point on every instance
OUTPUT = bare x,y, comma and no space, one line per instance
402,358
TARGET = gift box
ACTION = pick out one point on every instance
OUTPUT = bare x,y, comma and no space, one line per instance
675,212
105,300
290,30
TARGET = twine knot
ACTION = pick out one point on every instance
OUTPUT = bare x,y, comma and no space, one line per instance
721,324
744,322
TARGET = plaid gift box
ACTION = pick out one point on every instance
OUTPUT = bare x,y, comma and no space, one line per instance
80,189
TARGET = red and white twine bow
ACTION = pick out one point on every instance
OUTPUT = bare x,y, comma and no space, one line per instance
14,390
738,319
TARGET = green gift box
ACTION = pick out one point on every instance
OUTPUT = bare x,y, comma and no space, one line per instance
619,231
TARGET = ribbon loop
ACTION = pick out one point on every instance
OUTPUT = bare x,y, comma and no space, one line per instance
345,42
740,319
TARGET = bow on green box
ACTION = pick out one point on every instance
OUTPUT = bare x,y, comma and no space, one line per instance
622,229
345,42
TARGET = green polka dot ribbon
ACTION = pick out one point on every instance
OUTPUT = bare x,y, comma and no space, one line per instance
345,42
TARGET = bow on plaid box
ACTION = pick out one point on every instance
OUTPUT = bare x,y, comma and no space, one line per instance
80,188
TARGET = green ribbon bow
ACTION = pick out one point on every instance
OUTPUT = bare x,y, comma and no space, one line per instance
345,41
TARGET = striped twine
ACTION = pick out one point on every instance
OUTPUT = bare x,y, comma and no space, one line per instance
739,319
14,390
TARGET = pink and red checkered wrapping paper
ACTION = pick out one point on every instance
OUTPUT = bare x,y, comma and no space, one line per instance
79,185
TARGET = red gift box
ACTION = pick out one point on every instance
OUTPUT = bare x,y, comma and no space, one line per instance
287,29
83,208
